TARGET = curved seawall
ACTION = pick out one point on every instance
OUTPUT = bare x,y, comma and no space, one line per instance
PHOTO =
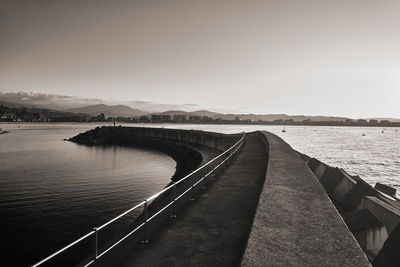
212,229
188,148
265,207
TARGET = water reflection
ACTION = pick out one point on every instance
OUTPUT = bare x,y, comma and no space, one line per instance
53,191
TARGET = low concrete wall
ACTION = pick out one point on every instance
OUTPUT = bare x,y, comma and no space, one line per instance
295,223
102,135
209,139
179,144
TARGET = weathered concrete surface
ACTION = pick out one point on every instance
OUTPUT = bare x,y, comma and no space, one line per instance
213,229
296,224
109,134
182,145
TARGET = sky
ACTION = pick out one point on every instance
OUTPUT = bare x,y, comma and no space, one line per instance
321,57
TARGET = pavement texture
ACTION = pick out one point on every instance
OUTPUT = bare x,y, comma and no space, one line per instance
296,224
213,229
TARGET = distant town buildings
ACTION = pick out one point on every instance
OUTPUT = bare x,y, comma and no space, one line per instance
196,119
8,114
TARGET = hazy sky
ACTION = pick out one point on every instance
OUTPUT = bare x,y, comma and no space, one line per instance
295,57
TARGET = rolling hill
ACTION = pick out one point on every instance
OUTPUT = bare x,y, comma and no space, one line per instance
109,111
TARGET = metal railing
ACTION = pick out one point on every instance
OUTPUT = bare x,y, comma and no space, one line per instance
153,207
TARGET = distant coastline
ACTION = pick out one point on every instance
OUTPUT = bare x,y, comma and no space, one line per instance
225,122
104,113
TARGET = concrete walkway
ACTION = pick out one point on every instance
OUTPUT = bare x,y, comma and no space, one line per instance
212,230
296,224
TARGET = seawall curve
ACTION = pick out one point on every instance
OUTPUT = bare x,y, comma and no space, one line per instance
182,145
295,223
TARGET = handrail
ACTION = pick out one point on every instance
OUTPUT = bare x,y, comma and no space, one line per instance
64,248
121,215
227,154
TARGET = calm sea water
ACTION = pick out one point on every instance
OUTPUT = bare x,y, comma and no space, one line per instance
53,191
375,157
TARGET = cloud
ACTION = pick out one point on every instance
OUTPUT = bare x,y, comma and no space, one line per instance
63,102
50,101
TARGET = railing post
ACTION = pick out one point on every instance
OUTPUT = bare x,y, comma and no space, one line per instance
203,174
174,204
212,171
95,239
145,213
192,188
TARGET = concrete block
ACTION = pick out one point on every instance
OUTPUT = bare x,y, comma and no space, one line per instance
352,199
389,256
342,188
386,213
313,164
368,230
386,189
330,178
320,170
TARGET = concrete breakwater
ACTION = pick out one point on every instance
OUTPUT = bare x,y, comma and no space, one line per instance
371,213
295,223
211,229
182,146
145,219
269,207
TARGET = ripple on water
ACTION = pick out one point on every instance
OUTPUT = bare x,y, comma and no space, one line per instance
53,191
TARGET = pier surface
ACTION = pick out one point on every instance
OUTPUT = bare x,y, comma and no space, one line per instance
296,224
266,209
212,231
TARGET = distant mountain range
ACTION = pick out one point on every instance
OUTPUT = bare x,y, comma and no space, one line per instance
109,111
111,108
18,111
63,102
